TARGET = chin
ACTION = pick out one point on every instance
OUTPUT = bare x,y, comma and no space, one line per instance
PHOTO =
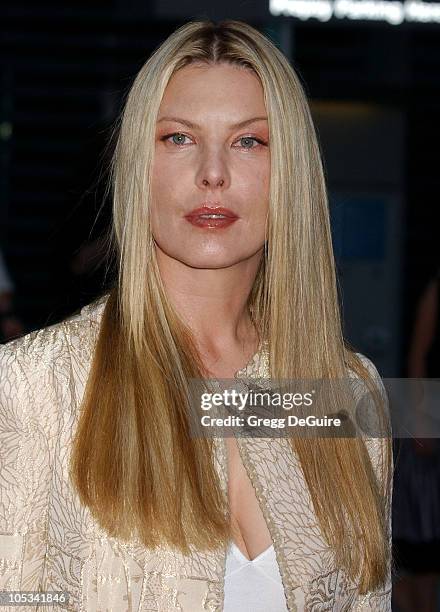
210,261
195,256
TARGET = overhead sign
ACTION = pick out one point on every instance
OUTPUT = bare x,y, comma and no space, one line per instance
392,11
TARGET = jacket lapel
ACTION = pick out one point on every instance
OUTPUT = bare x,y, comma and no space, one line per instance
269,464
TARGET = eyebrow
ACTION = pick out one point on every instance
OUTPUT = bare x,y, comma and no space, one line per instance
193,126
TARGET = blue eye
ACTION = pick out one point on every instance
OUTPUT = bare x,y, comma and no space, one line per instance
175,134
183,136
251,138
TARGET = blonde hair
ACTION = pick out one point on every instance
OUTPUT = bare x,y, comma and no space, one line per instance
133,411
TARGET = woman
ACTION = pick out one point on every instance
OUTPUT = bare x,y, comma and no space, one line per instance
105,494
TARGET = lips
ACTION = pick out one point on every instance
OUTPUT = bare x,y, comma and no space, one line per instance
212,210
203,216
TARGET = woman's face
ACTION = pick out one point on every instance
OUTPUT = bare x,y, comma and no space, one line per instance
203,157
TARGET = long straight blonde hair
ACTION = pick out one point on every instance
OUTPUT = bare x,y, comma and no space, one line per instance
133,416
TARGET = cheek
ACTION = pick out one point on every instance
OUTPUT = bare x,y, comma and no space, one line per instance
169,178
264,183
263,192
260,173
254,173
265,173
260,186
163,185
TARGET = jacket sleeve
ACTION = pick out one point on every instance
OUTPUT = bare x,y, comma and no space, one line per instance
379,600
27,433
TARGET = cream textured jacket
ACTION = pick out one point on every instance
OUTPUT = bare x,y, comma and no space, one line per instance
49,541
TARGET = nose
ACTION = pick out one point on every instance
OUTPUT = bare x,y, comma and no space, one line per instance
212,171
220,182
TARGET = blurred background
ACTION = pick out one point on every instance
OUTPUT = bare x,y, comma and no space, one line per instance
373,81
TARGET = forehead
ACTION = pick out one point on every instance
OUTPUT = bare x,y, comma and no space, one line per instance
213,91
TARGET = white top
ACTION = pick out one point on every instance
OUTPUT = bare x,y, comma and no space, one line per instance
253,586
